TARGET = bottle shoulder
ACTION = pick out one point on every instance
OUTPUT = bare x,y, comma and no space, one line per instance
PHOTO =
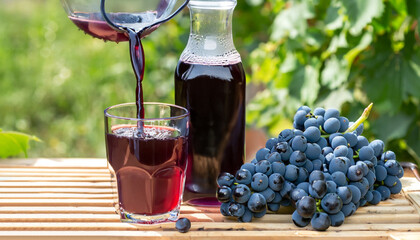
210,50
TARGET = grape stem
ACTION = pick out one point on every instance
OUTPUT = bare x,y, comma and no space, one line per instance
361,119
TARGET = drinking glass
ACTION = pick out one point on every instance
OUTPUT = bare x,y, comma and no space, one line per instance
148,167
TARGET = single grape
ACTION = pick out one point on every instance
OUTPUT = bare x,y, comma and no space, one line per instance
298,132
291,173
390,181
337,141
224,194
366,153
298,158
331,203
388,155
224,209
225,179
338,164
312,151
355,193
396,188
243,176
286,135
236,209
320,221
365,168
285,202
183,225
331,186
381,173
263,166
271,142
376,197
305,108
355,173
349,209
310,122
299,143
300,117
341,151
257,203
302,175
339,178
392,167
268,194
262,154
306,206
331,125
337,219
259,182
274,157
276,181
278,167
351,138
299,220
318,189
319,111
400,172
362,202
247,217
331,113
345,194
241,193
312,133
316,175
344,124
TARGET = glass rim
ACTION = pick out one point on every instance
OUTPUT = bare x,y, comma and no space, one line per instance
186,114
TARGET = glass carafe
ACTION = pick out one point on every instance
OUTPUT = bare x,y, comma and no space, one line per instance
210,83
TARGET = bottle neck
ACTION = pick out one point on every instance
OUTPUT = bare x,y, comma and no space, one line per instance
210,40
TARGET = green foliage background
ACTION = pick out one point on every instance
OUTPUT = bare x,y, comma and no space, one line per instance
55,81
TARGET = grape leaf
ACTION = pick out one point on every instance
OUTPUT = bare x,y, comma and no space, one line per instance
292,21
413,137
335,72
391,127
361,13
333,20
14,143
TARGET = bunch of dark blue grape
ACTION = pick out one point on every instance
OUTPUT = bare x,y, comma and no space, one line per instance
323,167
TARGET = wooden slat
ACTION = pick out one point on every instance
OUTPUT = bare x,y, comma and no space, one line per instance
55,202
55,184
55,196
57,210
46,189
54,179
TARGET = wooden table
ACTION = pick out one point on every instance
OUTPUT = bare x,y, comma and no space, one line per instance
72,199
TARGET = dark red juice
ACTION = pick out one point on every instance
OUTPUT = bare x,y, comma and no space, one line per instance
149,169
215,97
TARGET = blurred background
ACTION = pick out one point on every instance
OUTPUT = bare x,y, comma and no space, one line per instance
55,81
